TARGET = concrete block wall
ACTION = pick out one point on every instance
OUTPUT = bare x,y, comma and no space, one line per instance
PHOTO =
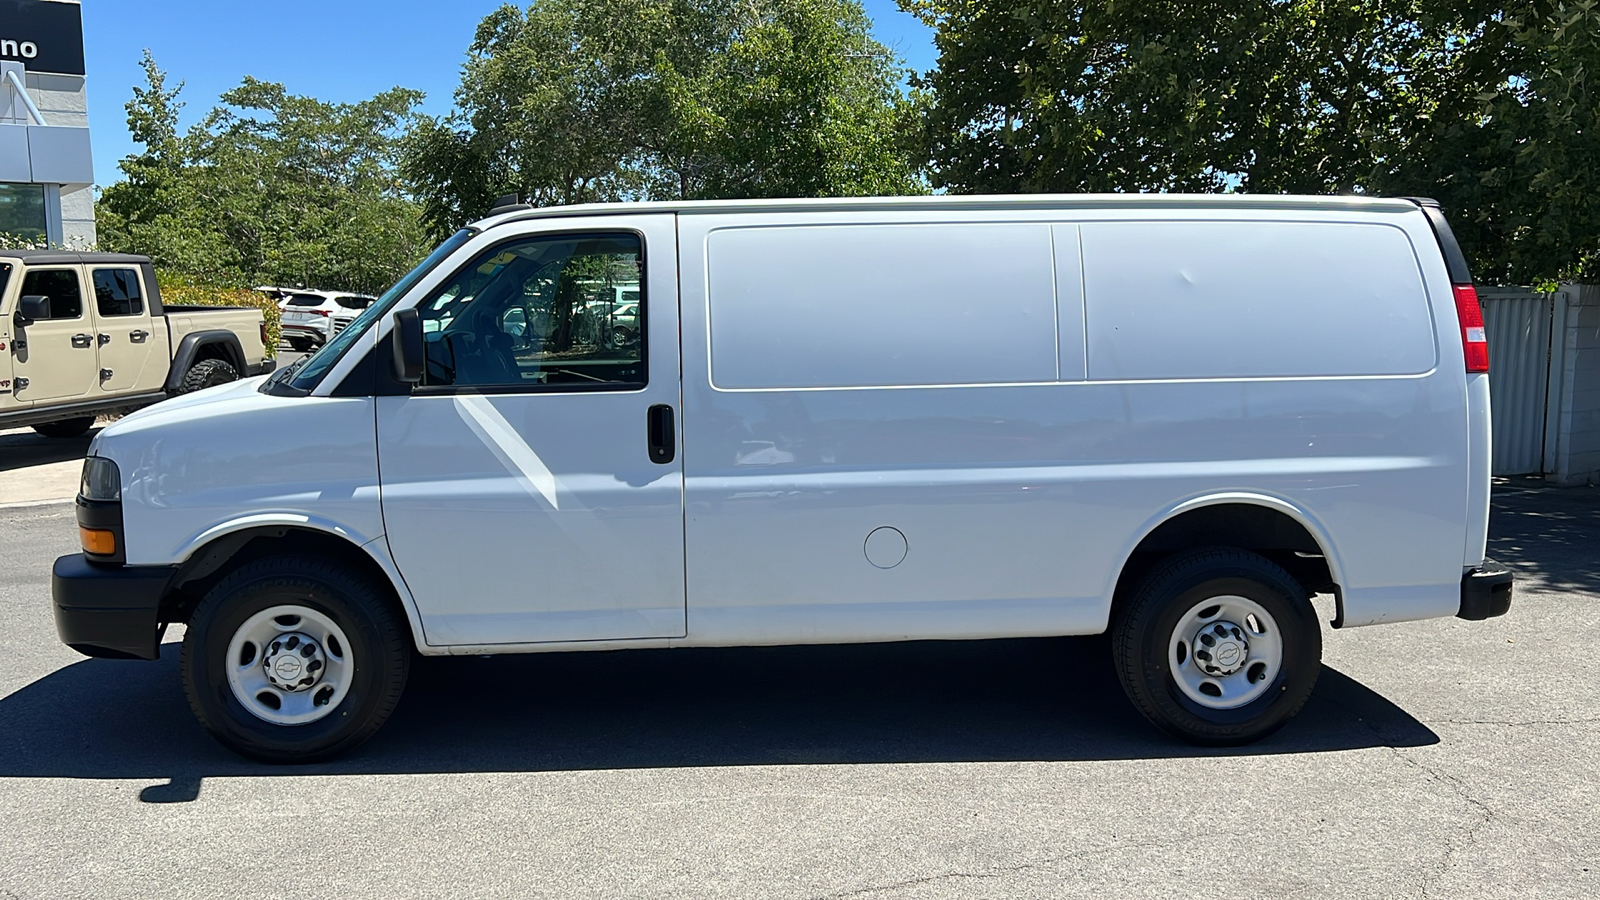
77,218
1577,428
63,100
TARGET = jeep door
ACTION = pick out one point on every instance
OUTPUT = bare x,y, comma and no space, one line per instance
133,351
531,484
55,358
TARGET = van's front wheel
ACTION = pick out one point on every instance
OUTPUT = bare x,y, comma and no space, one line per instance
1218,647
293,660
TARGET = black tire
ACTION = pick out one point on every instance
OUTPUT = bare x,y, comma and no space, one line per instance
207,373
378,642
1146,623
301,345
66,428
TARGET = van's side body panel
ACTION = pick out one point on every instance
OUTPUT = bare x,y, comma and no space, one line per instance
1020,494
230,457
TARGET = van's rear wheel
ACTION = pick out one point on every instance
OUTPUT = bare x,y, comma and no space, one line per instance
1218,647
293,660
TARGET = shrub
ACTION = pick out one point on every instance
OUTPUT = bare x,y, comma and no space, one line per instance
178,290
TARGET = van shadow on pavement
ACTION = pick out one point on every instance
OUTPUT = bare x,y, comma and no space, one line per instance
1048,699
20,449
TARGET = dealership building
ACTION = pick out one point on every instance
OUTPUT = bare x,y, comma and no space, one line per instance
46,173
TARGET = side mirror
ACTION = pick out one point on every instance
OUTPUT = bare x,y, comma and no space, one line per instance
32,308
409,352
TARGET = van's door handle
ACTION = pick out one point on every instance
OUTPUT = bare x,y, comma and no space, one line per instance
663,438
105,339
82,340
138,336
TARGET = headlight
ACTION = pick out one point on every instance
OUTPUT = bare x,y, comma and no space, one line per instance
101,480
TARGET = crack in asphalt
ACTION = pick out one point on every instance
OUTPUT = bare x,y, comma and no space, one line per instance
1453,849
1519,724
1456,786
998,872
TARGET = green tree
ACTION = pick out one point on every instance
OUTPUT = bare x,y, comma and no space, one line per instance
267,187
574,101
1517,162
1486,107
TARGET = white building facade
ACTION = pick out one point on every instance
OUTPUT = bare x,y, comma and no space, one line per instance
46,171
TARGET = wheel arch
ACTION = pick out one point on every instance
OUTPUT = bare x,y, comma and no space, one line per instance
199,345
1275,527
225,548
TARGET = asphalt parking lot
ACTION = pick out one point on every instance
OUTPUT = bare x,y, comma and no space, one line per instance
1436,759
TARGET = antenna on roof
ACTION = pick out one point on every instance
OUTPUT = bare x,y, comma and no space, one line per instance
507,203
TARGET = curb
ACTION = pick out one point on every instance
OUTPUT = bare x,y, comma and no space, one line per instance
26,504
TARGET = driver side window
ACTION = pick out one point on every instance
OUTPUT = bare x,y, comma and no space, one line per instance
553,312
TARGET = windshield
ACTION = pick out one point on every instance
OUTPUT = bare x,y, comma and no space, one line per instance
307,300
307,374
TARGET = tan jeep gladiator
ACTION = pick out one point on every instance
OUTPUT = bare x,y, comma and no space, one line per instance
83,334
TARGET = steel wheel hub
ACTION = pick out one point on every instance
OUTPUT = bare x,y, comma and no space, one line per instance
1221,649
294,662
290,665
1225,652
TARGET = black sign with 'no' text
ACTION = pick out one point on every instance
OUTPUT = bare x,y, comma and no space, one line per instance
43,35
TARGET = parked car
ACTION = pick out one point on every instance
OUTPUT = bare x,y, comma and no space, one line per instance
309,316
278,295
1172,418
86,333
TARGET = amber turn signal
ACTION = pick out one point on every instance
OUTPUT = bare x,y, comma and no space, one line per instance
98,541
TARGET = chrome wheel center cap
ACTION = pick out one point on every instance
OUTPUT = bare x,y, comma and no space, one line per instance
293,662
1220,649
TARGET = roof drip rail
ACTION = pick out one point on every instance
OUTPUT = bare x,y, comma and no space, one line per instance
22,91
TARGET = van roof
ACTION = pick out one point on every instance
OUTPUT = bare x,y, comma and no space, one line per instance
967,202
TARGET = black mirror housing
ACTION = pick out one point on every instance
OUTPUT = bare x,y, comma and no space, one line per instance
32,308
409,352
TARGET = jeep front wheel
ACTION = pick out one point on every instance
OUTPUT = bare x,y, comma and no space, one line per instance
66,428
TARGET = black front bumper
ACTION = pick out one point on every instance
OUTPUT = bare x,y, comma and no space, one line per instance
109,611
1485,592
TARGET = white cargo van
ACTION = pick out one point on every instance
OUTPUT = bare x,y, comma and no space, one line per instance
1170,417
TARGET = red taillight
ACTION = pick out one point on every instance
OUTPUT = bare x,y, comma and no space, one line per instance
263,334
328,312
1474,342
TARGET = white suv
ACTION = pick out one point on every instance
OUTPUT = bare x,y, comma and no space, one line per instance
309,316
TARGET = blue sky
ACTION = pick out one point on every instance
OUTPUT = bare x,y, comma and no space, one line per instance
334,50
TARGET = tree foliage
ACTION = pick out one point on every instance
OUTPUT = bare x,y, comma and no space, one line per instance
1517,163
268,187
574,101
1487,107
